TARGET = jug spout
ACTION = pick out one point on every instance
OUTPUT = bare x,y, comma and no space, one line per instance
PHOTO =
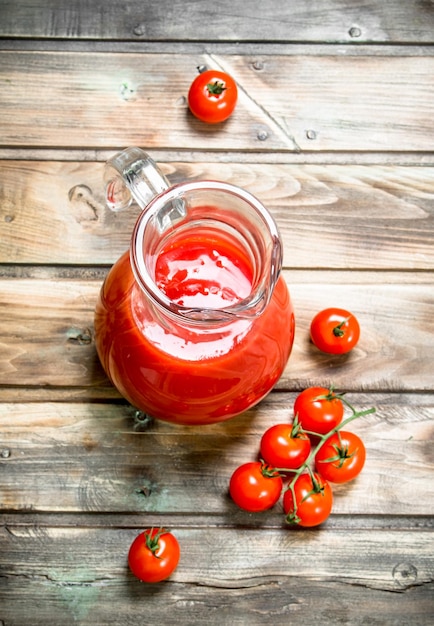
132,175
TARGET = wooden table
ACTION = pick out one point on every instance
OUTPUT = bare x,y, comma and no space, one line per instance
334,133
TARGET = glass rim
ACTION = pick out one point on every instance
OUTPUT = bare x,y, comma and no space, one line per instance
147,282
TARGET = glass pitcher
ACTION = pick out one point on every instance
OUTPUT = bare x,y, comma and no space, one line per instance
194,324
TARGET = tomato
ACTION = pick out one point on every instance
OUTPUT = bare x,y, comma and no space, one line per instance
285,446
255,486
314,501
318,409
212,96
335,331
154,555
341,458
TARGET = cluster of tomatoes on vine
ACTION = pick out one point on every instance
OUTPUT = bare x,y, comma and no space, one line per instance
308,454
313,450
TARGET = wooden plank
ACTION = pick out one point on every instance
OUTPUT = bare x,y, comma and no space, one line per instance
392,354
84,155
343,103
80,457
330,216
395,351
106,100
225,576
203,20
204,520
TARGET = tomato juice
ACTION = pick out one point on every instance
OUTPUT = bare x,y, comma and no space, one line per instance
192,371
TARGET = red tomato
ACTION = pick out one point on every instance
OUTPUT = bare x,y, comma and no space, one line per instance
285,446
318,409
314,500
212,96
341,458
335,331
255,486
154,555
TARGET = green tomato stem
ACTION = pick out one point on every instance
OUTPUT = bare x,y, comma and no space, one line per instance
152,542
337,330
306,465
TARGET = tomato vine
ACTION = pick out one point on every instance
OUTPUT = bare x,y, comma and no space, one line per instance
306,466
308,496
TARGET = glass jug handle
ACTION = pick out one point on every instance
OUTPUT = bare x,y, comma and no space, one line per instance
132,175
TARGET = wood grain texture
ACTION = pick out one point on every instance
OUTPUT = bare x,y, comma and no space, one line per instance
291,103
203,20
330,216
101,458
223,577
44,323
333,132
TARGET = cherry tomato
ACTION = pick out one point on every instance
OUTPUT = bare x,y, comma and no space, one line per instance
314,500
335,331
212,96
285,446
341,458
154,555
318,409
255,486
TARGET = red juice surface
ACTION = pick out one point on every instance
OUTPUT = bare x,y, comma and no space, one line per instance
207,273
192,373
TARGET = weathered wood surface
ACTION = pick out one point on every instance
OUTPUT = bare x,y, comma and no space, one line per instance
205,20
334,133
101,458
303,582
329,216
47,322
332,102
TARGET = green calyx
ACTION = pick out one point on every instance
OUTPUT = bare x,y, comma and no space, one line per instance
296,430
216,88
292,517
331,395
152,541
268,471
342,455
338,330
317,486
